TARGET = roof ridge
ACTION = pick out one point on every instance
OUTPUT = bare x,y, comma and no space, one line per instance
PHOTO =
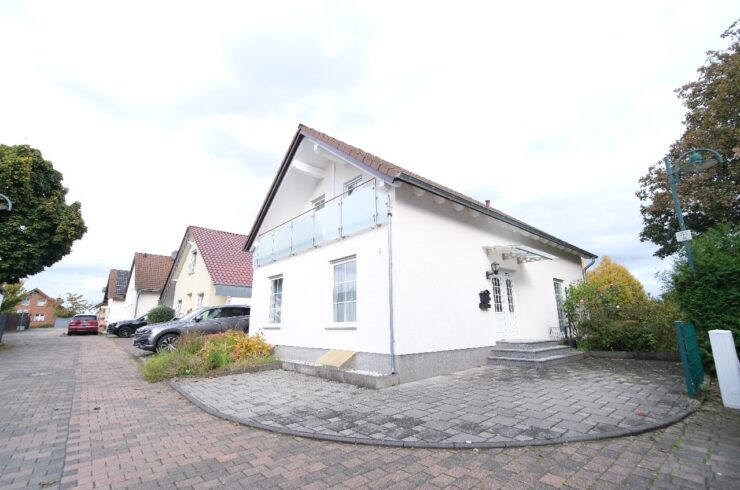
217,231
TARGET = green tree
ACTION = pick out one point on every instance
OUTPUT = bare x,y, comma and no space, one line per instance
712,121
13,294
627,289
71,306
42,226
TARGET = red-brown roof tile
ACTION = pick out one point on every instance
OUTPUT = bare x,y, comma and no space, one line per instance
224,255
151,271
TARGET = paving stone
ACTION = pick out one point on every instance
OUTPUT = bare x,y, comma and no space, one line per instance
146,436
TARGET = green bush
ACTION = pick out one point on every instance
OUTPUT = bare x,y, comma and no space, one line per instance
709,294
160,314
599,322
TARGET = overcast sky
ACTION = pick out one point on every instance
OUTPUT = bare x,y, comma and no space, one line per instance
165,114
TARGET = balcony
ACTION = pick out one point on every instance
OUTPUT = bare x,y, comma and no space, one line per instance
360,209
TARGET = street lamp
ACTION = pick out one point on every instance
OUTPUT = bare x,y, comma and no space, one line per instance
695,163
7,205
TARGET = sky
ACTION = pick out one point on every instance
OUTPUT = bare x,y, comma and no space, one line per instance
164,114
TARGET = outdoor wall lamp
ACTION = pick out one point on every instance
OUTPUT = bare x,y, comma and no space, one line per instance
493,271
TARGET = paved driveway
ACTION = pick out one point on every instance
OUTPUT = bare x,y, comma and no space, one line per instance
74,413
483,407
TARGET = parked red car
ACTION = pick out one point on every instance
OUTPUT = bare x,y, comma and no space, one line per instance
83,324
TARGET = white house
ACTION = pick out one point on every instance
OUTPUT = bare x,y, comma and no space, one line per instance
354,253
114,295
211,268
146,280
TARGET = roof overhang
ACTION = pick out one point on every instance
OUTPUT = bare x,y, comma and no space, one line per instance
521,253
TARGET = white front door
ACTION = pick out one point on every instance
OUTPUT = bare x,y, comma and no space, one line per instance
504,305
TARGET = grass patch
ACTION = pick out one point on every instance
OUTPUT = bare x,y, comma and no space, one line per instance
212,355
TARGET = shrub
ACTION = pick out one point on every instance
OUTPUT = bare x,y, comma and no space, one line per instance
199,355
600,322
709,294
160,314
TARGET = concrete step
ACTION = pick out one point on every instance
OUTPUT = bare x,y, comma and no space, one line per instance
535,363
526,344
555,350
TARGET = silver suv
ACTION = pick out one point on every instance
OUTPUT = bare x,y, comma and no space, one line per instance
208,320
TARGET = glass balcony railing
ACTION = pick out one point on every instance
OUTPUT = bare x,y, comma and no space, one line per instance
362,208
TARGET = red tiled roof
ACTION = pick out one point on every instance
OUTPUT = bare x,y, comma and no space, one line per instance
151,271
224,255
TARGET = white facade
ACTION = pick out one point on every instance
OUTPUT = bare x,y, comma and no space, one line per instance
138,303
440,253
116,310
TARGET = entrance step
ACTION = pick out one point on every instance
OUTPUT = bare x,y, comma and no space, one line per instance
531,353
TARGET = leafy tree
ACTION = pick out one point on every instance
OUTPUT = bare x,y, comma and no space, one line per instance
628,290
13,294
712,121
709,294
73,305
42,227
160,314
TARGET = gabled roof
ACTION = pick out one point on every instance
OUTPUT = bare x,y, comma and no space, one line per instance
223,252
116,287
227,263
40,293
151,271
391,173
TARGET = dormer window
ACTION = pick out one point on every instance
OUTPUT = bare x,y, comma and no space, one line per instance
193,258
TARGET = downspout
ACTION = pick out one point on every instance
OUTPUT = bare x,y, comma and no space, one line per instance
593,261
390,293
136,306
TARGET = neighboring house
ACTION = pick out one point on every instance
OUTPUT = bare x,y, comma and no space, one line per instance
332,272
39,306
113,307
146,280
211,268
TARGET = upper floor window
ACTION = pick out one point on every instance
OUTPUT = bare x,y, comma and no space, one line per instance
193,258
26,301
41,302
352,184
318,203
345,291
276,299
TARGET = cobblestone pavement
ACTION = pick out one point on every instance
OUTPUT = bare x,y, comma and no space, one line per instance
482,407
76,414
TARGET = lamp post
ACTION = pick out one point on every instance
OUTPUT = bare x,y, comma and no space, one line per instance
696,162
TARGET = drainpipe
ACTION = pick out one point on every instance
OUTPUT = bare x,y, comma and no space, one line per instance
390,292
136,306
593,261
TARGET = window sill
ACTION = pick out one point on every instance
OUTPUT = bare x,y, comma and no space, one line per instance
272,327
341,327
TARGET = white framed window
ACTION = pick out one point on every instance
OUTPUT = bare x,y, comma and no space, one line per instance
498,306
352,183
344,301
26,301
559,301
38,317
178,309
318,203
199,300
276,299
193,258
41,302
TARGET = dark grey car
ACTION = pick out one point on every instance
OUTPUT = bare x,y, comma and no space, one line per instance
208,320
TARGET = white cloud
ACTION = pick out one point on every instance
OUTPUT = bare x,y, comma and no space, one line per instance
166,114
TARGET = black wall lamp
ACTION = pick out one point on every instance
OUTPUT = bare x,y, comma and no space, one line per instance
493,271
